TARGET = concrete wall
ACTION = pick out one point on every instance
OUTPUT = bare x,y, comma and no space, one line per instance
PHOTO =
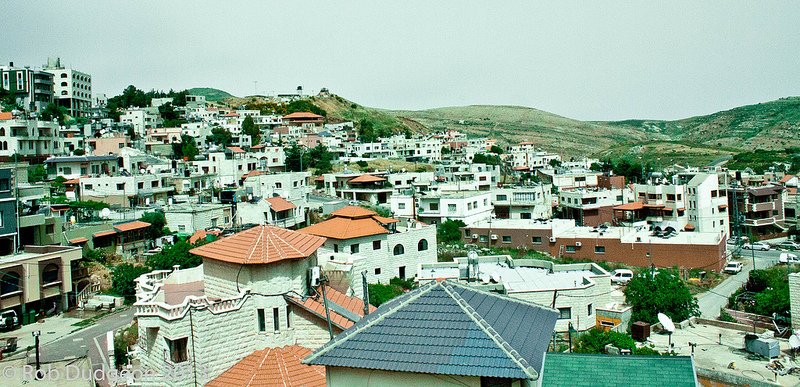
794,299
358,377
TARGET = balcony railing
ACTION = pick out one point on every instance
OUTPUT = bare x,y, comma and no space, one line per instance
759,222
756,207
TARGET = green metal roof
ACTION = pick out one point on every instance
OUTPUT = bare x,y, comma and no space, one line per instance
578,370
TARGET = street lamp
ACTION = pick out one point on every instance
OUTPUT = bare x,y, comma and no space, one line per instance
36,335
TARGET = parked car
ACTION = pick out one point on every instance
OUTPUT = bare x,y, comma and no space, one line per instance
733,267
735,240
8,320
789,245
621,276
756,246
788,258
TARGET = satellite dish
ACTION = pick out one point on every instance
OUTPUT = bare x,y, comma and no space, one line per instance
105,213
666,322
794,341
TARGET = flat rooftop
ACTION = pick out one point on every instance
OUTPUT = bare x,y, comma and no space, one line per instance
527,224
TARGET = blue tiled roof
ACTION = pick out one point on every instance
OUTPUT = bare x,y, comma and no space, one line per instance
446,328
577,370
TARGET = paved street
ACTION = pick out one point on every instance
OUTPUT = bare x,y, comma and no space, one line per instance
711,301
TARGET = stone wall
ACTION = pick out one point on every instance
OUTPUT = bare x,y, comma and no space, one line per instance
794,299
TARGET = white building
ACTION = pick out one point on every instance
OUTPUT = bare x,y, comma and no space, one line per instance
140,119
72,89
533,202
188,218
467,206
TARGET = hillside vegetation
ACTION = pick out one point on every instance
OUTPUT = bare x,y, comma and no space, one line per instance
211,94
340,109
512,124
770,125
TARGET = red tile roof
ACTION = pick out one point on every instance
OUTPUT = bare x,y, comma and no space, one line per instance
78,240
366,178
786,178
6,116
630,206
259,146
353,212
688,227
104,233
272,367
131,226
279,204
315,305
345,228
261,245
253,173
301,115
385,220
236,149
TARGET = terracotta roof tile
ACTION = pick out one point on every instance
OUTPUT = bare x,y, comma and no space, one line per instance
315,305
261,245
78,240
253,173
6,116
278,367
279,204
688,227
104,233
131,226
786,178
301,115
353,212
366,178
385,220
235,149
630,206
345,228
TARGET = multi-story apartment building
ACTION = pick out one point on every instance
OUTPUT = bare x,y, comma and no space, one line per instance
33,139
8,212
33,89
140,119
362,240
370,150
73,167
466,206
484,175
525,156
564,178
72,89
762,209
530,202
591,206
188,218
309,122
126,191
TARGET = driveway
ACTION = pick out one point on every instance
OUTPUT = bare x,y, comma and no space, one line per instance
712,300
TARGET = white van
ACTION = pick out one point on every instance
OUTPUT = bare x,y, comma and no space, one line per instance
621,276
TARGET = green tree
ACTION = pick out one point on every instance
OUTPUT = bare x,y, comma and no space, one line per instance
482,158
496,150
378,294
319,158
177,254
131,133
407,133
449,231
37,173
171,117
8,101
251,129
294,158
187,148
596,167
157,222
53,111
554,163
662,293
445,150
122,277
366,131
221,136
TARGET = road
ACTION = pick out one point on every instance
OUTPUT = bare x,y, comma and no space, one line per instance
89,341
711,301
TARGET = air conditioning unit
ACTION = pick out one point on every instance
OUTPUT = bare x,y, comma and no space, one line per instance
314,276
577,244
494,237
552,239
474,236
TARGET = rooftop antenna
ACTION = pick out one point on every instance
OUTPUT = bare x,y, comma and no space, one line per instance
667,323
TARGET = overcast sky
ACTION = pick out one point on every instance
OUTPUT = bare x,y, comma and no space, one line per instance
589,60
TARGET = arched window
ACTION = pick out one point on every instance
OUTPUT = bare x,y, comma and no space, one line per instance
63,92
422,245
9,282
2,131
64,84
63,75
399,250
50,273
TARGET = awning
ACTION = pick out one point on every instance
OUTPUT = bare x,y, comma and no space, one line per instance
104,233
78,240
630,206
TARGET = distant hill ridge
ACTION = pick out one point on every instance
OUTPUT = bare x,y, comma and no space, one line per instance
211,94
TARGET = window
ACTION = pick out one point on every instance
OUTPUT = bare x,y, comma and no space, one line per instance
485,202
564,313
399,250
377,271
401,206
181,227
502,198
335,248
401,272
120,186
466,233
422,245
599,249
276,325
570,249
140,185
354,248
525,215
178,349
434,206
87,186
278,185
262,320
67,170
506,238
288,317
483,238
376,245
451,207
4,186
49,229
536,240
469,206
589,309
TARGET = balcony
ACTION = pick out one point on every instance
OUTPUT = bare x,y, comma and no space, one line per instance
759,222
756,207
31,220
